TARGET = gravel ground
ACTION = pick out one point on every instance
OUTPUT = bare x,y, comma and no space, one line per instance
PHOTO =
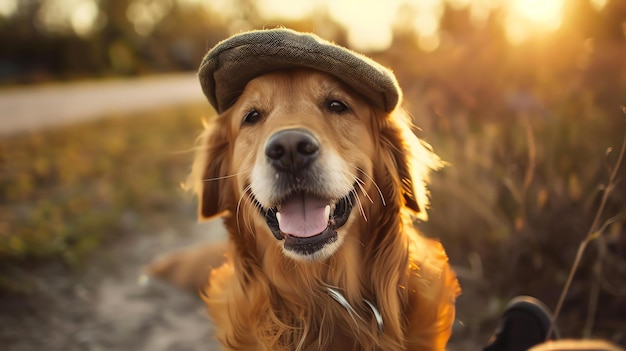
104,306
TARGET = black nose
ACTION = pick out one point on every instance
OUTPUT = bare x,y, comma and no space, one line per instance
292,150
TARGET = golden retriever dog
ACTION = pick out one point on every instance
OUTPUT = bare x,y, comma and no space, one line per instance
320,190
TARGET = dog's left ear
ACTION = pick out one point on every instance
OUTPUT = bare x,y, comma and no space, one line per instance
412,161
209,177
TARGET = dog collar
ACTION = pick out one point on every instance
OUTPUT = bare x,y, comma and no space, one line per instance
232,63
338,296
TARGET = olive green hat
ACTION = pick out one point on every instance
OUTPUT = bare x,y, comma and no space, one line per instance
232,63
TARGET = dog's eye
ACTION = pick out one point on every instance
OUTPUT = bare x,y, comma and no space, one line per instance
251,117
336,106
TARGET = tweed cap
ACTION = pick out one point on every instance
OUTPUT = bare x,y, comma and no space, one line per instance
232,63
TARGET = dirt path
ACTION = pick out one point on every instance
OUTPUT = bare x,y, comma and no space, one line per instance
104,307
51,105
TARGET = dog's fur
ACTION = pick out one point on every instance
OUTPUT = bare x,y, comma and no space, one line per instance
267,297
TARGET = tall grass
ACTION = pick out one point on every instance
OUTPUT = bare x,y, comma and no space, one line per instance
519,195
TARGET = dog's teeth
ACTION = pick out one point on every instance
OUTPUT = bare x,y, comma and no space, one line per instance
327,211
278,216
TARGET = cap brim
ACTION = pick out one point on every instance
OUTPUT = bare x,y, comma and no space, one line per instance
231,64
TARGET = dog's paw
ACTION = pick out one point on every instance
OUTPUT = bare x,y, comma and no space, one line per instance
187,268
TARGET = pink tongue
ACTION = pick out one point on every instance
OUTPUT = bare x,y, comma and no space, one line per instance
303,216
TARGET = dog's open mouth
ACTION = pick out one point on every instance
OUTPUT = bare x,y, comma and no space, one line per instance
308,223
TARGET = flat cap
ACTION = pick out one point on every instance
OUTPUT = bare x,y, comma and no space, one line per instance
232,63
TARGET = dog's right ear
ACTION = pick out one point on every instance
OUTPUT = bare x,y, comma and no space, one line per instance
409,159
210,178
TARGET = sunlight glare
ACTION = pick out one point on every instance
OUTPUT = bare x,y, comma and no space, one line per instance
83,17
531,17
54,15
7,8
545,13
369,26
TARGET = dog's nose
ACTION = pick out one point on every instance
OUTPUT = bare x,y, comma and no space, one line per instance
292,149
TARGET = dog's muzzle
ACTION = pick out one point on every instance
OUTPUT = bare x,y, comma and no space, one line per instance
304,219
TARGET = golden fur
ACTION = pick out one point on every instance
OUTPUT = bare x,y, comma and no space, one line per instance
265,298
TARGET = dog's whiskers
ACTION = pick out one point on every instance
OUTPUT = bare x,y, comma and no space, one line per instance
360,205
220,178
243,194
360,183
248,218
238,207
380,193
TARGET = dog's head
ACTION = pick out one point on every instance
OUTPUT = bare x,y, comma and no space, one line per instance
304,157
308,145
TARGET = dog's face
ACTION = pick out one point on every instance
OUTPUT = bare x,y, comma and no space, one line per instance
295,155
303,149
